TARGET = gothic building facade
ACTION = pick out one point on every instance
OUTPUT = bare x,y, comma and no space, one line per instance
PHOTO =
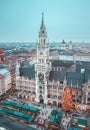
43,66
38,87
45,81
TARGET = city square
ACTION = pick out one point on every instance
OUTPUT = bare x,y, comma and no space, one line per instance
44,85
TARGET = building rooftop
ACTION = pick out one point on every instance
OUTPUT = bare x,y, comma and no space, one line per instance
82,54
4,71
66,53
59,63
1,51
83,65
27,70
1,76
75,78
57,75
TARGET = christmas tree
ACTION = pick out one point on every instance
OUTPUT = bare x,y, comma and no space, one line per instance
67,103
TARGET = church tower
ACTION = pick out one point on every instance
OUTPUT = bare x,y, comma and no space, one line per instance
43,66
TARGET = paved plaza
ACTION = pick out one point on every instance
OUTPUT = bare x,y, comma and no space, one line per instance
43,116
10,124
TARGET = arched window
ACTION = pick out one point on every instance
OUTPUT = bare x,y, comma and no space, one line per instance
40,87
44,41
40,92
41,53
41,40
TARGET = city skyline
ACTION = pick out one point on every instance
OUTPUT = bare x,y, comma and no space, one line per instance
20,20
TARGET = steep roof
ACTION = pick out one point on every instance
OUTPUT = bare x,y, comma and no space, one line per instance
59,63
27,71
57,75
75,78
83,65
87,76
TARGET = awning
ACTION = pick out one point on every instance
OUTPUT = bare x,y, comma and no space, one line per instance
1,112
73,128
26,116
52,118
54,123
30,119
25,107
54,112
18,113
82,122
19,105
60,113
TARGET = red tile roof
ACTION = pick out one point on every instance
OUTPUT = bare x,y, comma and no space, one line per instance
1,52
1,62
11,58
82,54
1,76
33,54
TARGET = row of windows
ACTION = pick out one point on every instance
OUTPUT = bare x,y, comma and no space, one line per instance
42,61
56,68
43,41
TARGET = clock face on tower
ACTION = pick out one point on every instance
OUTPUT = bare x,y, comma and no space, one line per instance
41,77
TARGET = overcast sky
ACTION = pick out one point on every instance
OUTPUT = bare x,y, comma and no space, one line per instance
64,19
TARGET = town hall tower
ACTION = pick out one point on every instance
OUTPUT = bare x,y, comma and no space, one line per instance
43,66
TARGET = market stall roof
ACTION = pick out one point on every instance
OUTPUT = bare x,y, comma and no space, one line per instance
70,128
19,113
60,113
31,119
2,95
9,103
1,112
13,103
16,114
6,102
58,120
82,122
54,123
26,107
54,112
26,116
19,105
52,118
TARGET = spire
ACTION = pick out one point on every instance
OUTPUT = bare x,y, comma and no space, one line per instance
42,27
42,23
